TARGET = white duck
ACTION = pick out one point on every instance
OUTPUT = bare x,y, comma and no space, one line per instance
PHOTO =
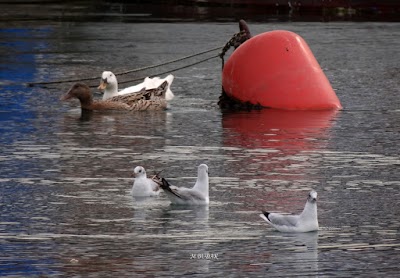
143,186
109,84
197,195
307,221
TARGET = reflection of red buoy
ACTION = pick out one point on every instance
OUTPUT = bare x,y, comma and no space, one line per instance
289,131
271,141
278,70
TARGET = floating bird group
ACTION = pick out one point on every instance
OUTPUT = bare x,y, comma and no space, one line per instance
153,94
197,195
307,221
150,99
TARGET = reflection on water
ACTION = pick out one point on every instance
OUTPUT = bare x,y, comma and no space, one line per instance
272,129
65,177
272,137
301,256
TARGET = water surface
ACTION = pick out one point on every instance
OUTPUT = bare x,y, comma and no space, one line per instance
65,177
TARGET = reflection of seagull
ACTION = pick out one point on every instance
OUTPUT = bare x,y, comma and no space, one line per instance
198,195
143,186
304,260
307,221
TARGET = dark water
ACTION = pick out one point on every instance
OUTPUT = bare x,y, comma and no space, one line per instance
65,204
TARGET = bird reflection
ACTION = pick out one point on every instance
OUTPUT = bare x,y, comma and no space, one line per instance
298,256
86,115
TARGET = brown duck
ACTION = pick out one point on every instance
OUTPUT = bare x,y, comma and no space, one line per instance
152,99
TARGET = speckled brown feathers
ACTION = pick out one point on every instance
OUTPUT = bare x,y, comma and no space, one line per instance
152,99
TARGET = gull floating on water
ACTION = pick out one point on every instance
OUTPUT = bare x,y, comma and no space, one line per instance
144,186
198,195
307,221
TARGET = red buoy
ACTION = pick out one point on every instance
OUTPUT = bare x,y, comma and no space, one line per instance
278,70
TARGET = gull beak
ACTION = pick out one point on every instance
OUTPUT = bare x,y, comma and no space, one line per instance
313,196
103,84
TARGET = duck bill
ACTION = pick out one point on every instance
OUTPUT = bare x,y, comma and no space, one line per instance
65,97
102,85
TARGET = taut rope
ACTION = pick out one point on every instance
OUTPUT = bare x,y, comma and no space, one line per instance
235,41
31,84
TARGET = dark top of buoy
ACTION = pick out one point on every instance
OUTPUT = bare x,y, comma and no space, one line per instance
243,27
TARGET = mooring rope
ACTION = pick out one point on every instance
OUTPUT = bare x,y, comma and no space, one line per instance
164,72
31,84
172,70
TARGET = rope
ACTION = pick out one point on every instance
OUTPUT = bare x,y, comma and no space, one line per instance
235,41
31,84
169,62
173,70
167,71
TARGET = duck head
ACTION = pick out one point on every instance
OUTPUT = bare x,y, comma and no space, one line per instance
108,81
80,91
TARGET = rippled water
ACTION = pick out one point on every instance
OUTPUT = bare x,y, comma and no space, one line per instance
65,177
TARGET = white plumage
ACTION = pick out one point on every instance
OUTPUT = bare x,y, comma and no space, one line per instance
143,186
197,195
109,84
307,221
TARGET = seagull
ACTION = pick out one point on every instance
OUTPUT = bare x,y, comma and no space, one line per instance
307,221
198,195
144,186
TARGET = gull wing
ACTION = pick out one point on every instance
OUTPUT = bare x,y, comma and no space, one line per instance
278,219
182,193
189,194
283,220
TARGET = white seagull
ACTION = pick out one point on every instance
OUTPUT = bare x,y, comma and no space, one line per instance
307,221
109,84
143,186
198,195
